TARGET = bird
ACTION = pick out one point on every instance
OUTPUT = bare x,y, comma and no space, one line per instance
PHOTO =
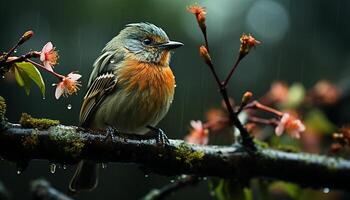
130,89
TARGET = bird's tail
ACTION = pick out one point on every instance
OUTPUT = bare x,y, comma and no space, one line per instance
85,177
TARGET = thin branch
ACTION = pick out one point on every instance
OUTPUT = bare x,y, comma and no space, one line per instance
26,36
69,144
4,193
258,105
14,59
42,190
59,76
233,69
162,193
272,122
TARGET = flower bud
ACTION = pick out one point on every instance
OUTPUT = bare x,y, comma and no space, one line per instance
247,42
200,14
247,96
26,36
203,51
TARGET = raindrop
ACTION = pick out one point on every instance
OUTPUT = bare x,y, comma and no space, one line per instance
183,176
69,106
326,190
205,178
104,165
112,61
172,181
212,193
146,175
52,168
15,51
64,167
43,98
3,77
53,84
19,171
175,85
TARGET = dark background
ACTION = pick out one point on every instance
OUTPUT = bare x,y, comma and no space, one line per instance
303,41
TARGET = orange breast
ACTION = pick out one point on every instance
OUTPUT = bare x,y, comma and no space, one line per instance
152,84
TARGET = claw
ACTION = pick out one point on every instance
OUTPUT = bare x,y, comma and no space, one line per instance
111,132
161,137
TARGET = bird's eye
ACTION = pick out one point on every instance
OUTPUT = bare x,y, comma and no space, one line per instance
147,41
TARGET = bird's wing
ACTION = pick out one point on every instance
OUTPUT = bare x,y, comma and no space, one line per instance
102,81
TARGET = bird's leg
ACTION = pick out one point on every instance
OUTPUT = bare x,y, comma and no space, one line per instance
160,136
111,131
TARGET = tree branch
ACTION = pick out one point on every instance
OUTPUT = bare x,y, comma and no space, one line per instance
69,144
42,190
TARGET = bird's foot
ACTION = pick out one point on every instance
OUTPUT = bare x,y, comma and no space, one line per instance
111,131
160,136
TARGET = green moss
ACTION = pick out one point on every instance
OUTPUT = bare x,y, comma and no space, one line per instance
28,121
2,108
187,154
68,138
261,144
288,148
31,140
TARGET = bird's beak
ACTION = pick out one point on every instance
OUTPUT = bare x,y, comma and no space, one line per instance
171,45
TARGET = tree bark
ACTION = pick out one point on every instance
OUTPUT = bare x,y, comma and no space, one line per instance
68,145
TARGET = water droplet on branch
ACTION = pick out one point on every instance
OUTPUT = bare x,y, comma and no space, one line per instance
52,168
19,171
104,165
326,190
69,106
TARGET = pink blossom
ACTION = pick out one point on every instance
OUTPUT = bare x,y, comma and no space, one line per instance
68,85
290,125
49,56
198,134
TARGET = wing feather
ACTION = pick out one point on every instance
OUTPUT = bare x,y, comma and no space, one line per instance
102,81
98,90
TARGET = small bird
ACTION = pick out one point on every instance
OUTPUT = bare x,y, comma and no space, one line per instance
131,88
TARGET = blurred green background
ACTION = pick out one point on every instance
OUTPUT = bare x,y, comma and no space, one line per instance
302,41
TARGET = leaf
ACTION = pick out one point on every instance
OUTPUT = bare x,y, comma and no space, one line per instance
33,73
18,76
22,79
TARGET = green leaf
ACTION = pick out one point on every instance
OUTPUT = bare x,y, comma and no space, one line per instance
22,79
18,76
33,73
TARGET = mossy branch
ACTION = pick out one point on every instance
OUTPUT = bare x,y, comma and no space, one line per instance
69,144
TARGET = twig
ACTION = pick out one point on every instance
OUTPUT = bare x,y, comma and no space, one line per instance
42,190
59,76
257,105
158,194
4,193
31,54
272,121
26,36
233,69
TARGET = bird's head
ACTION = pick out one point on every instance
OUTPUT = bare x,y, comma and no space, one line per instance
146,42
